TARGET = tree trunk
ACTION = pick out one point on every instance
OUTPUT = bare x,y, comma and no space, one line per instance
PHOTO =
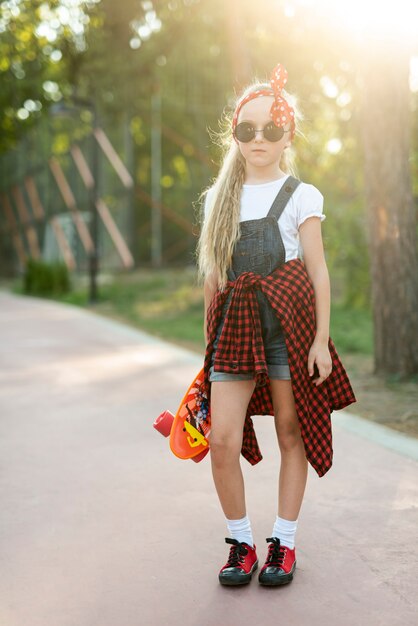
386,128
240,60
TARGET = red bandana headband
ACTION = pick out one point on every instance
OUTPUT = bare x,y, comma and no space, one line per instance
281,112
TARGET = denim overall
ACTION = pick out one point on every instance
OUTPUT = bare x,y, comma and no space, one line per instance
260,249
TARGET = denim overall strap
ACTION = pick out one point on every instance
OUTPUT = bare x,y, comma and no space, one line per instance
283,197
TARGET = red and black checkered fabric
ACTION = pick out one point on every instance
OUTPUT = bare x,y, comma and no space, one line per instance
241,350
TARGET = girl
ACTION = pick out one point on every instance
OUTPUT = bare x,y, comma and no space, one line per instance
266,325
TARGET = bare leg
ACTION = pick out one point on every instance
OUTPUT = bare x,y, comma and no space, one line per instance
294,465
229,402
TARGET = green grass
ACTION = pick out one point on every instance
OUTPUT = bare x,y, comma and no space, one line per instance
166,303
169,304
351,330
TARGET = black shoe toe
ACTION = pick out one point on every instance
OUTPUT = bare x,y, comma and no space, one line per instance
272,576
235,576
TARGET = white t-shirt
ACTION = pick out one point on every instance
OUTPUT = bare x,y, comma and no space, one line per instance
256,200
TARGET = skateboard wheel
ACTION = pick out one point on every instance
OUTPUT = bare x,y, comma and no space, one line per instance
164,422
200,456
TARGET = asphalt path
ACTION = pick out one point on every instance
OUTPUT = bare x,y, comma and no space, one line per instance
101,525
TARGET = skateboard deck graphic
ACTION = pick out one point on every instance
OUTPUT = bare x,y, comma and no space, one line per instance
189,428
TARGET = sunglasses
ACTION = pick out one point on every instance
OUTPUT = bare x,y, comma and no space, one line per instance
245,132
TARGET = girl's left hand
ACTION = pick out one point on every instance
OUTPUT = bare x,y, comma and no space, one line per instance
319,355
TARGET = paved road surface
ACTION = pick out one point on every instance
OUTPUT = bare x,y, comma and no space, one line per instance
102,526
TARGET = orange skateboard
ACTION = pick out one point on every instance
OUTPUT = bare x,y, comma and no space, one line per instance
189,428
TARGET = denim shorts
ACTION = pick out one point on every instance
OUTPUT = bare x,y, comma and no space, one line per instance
274,348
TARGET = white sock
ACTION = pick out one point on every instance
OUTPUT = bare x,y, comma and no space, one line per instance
240,529
285,530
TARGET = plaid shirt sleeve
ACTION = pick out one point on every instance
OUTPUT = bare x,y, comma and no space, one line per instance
241,350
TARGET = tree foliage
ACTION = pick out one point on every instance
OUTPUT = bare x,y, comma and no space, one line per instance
38,40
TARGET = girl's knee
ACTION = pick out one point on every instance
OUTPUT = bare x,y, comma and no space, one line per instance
224,449
288,432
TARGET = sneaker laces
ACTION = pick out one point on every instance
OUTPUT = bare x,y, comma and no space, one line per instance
236,554
276,552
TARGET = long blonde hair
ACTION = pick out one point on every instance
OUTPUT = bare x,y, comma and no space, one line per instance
220,229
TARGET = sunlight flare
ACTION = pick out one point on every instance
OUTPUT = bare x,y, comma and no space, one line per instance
370,17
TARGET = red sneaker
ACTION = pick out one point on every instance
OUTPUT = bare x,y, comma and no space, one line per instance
241,564
279,566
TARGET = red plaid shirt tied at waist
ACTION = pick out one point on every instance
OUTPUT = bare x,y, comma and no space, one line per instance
241,350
